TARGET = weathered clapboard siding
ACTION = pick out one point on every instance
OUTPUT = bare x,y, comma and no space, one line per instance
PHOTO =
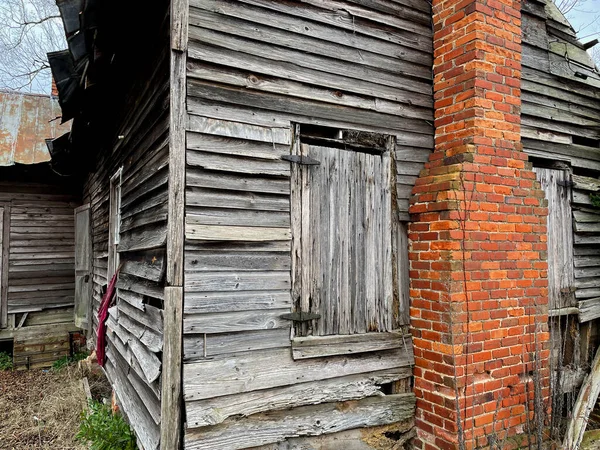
41,255
560,123
560,111
140,146
254,69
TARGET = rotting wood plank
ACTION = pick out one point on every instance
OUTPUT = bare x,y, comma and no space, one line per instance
254,370
305,420
215,410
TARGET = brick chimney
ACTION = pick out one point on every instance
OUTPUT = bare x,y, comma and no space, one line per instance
478,244
54,89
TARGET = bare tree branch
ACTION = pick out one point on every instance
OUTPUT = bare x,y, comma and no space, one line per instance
28,30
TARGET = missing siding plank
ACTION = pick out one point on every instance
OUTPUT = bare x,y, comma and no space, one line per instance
351,140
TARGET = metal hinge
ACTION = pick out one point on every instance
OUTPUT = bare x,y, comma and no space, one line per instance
565,183
300,316
302,160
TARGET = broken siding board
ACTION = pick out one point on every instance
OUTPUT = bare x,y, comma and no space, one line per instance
140,419
216,410
307,420
254,370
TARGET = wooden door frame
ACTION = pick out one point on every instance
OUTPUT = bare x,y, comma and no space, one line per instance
338,344
4,264
89,313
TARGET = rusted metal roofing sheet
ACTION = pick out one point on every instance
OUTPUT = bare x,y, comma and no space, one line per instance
26,121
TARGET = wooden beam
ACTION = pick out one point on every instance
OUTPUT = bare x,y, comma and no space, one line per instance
171,425
585,403
177,143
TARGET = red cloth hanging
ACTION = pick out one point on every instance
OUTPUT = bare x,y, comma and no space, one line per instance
106,303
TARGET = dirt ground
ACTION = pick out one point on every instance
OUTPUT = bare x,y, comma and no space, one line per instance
41,409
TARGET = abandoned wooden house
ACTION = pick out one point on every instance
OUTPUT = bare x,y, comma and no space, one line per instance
324,219
37,237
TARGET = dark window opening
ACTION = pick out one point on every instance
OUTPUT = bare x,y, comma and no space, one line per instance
7,346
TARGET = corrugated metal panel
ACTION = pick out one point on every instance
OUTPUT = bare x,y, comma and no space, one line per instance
26,120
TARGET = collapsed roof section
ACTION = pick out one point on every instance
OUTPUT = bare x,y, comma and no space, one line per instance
106,43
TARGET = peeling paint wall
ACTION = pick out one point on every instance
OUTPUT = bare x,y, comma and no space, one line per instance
26,121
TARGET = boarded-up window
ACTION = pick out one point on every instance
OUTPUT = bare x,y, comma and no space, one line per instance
557,187
114,223
346,236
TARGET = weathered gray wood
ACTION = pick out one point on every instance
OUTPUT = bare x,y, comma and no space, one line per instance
150,265
243,281
171,378
268,185
237,130
586,400
199,346
216,410
140,420
346,178
83,267
179,25
560,237
216,302
322,346
306,420
589,309
151,316
235,321
229,233
254,370
229,163
177,150
231,260
150,338
4,249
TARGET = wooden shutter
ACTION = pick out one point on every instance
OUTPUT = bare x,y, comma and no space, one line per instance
557,187
343,221
83,267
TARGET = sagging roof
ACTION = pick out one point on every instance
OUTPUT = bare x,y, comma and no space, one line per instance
107,44
26,121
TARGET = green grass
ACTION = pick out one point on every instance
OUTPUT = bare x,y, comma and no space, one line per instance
6,361
595,198
103,430
67,360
